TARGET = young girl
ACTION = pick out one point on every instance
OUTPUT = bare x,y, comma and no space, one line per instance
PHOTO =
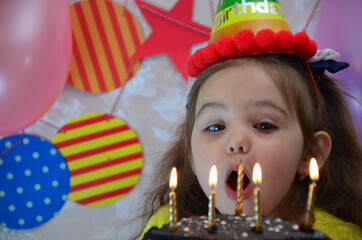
265,108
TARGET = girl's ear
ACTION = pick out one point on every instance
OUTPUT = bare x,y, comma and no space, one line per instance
324,145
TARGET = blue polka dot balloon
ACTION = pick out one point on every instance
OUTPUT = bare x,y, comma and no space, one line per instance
34,181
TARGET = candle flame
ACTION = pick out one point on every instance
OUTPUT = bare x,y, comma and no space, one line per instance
257,174
313,170
173,178
213,176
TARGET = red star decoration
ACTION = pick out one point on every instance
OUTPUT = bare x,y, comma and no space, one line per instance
173,32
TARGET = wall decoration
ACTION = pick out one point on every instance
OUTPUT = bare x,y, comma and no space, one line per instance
173,32
105,36
34,181
104,158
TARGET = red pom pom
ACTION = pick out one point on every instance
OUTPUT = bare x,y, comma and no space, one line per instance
210,53
311,50
284,40
244,40
301,41
225,47
191,67
199,59
265,39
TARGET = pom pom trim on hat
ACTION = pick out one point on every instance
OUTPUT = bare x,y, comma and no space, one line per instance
245,43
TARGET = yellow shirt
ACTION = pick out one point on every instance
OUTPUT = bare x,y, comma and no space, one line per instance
326,223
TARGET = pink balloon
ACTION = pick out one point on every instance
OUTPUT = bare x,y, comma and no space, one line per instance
35,53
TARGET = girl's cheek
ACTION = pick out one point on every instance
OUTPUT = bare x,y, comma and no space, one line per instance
204,158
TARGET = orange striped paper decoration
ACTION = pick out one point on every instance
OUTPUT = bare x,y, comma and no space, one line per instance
104,158
105,36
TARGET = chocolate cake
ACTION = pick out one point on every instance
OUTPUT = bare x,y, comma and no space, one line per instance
232,227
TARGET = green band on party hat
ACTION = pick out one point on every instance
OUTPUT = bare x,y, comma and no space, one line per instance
234,15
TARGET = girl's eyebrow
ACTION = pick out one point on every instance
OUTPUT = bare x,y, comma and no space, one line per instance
210,105
266,103
257,104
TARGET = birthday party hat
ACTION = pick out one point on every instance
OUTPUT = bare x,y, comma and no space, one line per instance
249,27
232,16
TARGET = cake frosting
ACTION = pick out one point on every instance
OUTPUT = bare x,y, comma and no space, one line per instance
232,227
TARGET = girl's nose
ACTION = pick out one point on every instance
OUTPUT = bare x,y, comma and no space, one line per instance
235,149
236,145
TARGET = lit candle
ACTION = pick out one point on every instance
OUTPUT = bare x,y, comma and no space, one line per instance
257,208
314,176
239,191
172,196
212,184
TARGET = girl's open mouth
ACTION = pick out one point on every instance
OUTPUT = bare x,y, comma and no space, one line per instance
231,184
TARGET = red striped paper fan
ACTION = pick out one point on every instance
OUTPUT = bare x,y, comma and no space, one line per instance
105,36
104,158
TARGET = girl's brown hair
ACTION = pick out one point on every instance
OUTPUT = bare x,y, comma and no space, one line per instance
339,188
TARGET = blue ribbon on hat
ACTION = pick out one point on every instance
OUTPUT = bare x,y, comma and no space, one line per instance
332,66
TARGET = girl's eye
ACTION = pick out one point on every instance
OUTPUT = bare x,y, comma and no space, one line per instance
265,127
215,128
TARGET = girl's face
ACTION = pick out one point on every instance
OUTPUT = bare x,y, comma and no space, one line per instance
241,117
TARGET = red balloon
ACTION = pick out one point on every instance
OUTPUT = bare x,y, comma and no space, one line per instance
35,53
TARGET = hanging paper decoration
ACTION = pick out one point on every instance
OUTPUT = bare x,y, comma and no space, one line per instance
104,158
105,36
173,32
34,181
